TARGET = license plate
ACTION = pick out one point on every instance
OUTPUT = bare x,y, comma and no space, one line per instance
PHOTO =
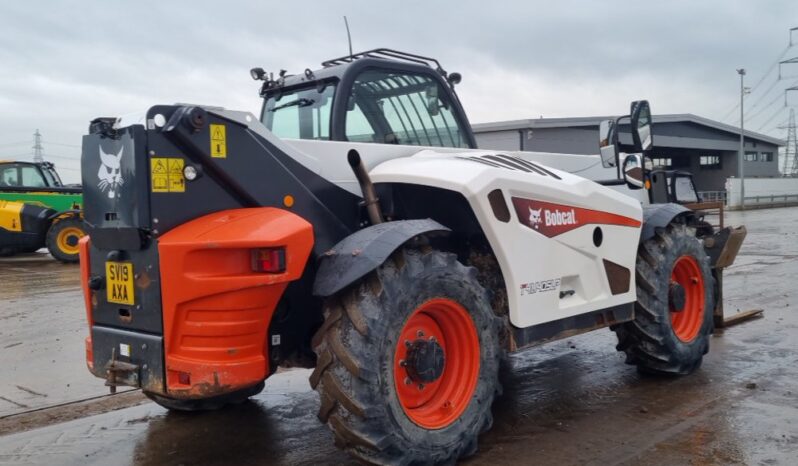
119,282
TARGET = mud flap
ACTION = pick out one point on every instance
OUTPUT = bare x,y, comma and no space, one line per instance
365,250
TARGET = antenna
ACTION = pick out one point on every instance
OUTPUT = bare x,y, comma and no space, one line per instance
348,38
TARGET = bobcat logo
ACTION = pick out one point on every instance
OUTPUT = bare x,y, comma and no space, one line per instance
534,217
110,176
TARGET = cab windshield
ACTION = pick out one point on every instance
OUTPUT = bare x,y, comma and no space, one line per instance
300,114
392,107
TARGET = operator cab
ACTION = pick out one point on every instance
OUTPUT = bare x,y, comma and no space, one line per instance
28,175
380,96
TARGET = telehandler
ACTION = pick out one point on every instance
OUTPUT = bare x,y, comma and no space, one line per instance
357,230
37,210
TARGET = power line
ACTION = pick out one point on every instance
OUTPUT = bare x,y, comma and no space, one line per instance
47,155
772,118
773,66
26,154
762,97
763,109
12,144
61,144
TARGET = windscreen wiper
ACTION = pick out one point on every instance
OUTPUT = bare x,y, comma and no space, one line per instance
301,102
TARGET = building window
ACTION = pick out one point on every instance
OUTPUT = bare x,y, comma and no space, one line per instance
751,156
766,157
662,162
709,161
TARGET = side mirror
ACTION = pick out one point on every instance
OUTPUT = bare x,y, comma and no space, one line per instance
641,126
607,146
633,171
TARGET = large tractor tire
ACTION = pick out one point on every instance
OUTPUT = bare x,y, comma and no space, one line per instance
408,361
206,404
63,237
675,301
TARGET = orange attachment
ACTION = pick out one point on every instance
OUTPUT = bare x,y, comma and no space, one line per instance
438,403
687,323
85,272
216,309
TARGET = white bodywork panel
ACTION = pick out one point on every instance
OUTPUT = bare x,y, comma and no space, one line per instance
568,262
529,260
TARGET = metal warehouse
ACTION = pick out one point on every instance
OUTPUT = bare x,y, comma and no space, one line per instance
705,147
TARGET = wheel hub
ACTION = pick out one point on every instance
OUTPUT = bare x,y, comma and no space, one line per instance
676,297
425,360
436,363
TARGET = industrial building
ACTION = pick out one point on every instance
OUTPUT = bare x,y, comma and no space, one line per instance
704,147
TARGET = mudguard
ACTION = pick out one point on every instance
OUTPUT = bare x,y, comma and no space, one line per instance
365,250
66,214
659,216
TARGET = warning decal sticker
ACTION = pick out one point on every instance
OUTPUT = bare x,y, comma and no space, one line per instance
218,141
167,175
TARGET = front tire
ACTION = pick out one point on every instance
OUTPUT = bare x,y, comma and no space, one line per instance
408,361
675,301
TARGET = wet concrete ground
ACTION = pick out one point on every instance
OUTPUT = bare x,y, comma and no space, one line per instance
42,327
569,402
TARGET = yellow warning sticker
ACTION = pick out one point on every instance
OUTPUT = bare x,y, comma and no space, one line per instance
177,183
166,174
218,141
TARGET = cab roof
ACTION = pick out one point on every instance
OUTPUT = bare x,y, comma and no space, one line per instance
335,68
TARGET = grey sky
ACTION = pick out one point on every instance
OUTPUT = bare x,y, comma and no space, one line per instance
63,63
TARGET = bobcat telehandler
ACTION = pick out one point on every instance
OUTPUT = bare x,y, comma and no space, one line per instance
378,246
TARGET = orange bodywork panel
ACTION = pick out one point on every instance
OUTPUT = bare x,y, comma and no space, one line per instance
216,310
85,270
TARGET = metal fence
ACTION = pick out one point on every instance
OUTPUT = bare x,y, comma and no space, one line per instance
772,200
712,196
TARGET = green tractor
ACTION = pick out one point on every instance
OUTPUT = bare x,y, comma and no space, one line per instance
37,210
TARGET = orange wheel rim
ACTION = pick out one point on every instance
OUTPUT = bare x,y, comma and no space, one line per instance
687,323
444,326
67,239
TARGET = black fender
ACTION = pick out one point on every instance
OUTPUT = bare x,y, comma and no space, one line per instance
65,214
659,216
365,250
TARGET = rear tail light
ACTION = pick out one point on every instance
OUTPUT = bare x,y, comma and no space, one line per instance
268,260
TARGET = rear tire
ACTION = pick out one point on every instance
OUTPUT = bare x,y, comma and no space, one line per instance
205,404
658,340
62,239
373,399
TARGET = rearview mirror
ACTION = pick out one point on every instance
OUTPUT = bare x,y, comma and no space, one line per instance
633,171
607,146
641,126
433,107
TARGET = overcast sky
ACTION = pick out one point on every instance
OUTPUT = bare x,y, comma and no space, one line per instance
63,63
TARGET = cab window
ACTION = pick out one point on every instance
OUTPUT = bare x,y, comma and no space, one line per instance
9,176
300,114
32,177
392,107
